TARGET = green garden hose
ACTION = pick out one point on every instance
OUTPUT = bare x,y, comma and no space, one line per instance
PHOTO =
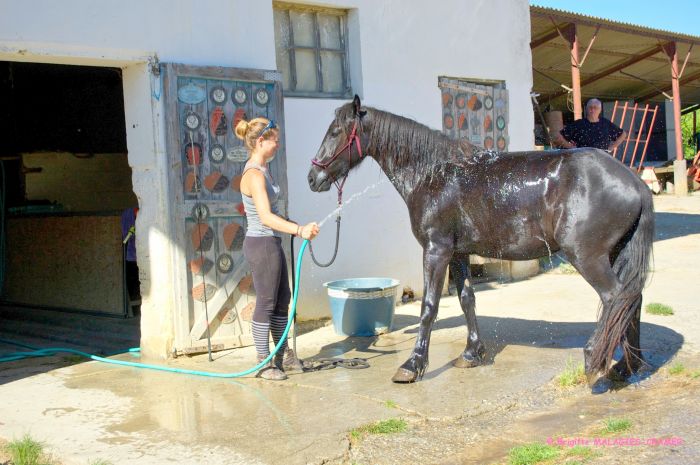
56,350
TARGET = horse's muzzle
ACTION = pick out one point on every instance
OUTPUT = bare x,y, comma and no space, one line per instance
318,180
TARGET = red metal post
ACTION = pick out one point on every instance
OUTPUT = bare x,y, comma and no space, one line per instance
576,75
672,52
646,143
622,121
629,133
639,134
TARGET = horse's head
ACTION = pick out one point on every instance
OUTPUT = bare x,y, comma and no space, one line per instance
340,150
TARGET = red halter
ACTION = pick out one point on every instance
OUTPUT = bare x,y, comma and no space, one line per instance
353,138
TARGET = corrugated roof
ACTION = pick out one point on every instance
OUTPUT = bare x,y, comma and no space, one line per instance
624,62
677,36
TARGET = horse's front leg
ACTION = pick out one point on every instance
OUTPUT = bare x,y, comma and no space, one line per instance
435,262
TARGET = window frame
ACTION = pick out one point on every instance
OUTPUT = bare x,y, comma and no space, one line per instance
343,51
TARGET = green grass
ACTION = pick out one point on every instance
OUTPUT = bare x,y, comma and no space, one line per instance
695,374
616,425
655,308
390,404
390,426
26,451
100,462
538,453
567,268
676,369
572,375
531,454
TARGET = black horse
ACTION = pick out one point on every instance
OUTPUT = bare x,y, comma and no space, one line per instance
514,206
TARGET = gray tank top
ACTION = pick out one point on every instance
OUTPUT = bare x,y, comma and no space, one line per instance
255,226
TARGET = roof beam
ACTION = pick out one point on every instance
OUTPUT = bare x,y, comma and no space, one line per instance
552,34
613,69
685,80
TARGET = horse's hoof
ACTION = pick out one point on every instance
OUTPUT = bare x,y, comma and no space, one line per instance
403,375
467,362
601,386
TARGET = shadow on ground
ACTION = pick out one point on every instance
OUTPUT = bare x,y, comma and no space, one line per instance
659,343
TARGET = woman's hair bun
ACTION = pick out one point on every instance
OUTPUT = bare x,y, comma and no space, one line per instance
241,129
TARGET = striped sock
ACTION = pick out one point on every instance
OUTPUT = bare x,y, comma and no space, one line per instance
261,337
278,324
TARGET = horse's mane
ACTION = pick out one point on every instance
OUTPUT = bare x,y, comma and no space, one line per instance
399,141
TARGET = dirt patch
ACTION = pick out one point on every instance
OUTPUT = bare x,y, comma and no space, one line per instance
653,407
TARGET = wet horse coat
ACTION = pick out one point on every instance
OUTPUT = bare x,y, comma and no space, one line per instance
511,206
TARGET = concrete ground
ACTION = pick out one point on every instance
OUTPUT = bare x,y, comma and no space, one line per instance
88,411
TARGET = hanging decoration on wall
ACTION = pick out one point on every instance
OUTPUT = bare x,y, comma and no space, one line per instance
240,96
501,143
218,95
448,121
237,154
224,263
217,122
488,102
200,212
474,104
202,237
446,99
462,122
217,153
216,182
203,292
192,183
193,153
262,97
233,236
488,123
191,94
500,123
488,142
461,100
200,266
192,120
237,117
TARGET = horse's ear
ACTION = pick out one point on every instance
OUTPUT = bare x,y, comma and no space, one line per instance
356,104
357,107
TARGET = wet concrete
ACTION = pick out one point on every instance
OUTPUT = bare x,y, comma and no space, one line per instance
531,328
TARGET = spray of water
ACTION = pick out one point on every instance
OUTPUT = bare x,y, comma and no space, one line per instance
348,202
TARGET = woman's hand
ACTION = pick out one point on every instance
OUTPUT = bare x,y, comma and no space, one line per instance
309,231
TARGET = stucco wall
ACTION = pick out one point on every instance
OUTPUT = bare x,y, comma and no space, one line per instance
403,47
398,48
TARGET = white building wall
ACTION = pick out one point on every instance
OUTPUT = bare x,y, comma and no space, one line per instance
404,45
398,48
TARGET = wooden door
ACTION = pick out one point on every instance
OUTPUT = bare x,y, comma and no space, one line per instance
203,105
475,111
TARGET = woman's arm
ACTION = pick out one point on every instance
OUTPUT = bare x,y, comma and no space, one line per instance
255,181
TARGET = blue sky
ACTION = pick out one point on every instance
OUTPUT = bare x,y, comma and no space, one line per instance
673,15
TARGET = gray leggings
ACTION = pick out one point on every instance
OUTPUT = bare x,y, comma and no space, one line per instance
270,278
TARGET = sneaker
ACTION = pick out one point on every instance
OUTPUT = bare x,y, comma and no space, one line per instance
291,361
270,371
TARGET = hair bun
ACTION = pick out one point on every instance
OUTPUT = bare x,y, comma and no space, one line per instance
241,129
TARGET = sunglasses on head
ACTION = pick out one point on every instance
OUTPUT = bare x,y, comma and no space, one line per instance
270,125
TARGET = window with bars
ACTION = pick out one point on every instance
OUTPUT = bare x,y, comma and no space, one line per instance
311,48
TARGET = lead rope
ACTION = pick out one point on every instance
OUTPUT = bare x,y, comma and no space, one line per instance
335,252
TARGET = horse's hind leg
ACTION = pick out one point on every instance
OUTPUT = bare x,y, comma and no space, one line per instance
625,368
435,262
600,275
475,350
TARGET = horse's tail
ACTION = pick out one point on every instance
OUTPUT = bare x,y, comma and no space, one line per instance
631,268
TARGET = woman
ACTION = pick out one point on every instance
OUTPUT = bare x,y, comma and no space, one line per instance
262,246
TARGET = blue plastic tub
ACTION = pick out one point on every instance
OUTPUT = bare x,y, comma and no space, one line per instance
362,306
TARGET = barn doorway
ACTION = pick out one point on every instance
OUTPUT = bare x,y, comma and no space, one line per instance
66,185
